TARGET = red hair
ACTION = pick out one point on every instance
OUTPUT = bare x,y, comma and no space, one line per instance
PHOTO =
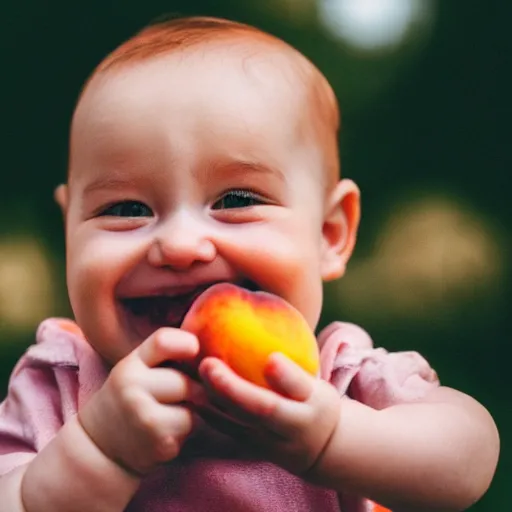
178,34
184,33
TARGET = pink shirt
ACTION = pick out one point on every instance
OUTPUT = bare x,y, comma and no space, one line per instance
58,374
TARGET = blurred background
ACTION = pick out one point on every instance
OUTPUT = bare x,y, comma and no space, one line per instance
424,87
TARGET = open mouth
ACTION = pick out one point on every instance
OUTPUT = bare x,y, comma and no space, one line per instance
147,314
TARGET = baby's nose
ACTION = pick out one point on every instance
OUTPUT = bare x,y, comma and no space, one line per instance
181,241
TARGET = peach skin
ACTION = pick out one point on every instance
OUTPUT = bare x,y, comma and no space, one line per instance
375,507
243,328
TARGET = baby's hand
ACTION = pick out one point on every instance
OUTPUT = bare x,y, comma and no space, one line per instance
141,416
290,424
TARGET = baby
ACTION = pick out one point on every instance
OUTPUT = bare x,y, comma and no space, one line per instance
205,151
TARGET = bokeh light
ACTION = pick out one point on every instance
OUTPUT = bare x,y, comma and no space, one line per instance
26,286
373,24
431,254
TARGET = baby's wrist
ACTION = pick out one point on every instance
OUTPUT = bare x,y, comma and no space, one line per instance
130,472
334,467
72,469
317,472
118,469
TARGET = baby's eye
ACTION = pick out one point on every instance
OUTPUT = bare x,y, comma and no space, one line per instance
237,199
127,209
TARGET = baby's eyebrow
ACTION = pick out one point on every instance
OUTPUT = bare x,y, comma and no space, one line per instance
108,182
240,166
113,181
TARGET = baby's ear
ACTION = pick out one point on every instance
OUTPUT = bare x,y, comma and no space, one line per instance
61,197
339,231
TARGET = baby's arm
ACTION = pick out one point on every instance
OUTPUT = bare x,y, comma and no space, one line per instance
136,421
69,474
437,454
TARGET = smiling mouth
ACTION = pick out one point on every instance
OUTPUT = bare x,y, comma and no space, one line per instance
147,314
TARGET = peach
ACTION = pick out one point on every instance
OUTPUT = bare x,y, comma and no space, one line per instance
378,508
242,328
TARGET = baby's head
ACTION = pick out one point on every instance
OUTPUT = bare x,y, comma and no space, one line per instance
201,150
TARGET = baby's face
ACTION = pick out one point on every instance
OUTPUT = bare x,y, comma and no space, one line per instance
186,171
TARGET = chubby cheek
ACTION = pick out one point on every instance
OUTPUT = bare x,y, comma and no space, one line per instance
283,260
95,264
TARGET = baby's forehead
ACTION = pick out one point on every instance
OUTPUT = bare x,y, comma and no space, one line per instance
273,68
220,80
192,38
277,72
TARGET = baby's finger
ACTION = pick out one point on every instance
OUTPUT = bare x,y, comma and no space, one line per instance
260,407
167,344
240,398
179,421
170,427
170,386
288,379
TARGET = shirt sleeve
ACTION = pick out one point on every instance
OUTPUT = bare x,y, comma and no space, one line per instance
371,375
42,395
